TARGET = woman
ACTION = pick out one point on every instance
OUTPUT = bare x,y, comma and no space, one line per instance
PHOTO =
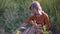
38,18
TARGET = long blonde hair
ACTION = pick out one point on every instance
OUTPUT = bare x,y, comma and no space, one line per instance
35,4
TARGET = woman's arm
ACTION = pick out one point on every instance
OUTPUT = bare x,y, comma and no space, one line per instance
25,23
47,22
22,27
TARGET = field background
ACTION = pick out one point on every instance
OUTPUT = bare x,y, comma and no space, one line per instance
14,12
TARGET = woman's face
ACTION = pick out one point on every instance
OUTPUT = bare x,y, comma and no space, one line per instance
34,11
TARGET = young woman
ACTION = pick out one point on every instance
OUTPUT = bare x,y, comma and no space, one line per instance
38,18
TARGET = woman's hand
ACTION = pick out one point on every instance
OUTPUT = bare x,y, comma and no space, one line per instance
22,28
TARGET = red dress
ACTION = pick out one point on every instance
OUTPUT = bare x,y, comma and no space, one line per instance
42,19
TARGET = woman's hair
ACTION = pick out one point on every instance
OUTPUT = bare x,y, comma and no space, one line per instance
36,5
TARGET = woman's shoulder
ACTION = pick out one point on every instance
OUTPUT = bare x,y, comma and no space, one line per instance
45,14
